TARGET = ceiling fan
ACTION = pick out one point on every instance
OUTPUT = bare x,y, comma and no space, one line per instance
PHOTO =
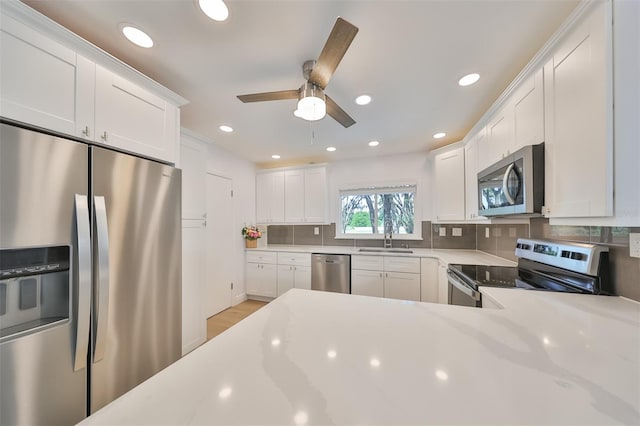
313,104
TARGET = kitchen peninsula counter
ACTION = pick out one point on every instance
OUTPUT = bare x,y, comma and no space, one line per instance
318,358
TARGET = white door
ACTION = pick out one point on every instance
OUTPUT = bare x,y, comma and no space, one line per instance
220,243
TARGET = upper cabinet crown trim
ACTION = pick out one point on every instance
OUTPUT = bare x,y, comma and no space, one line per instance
50,28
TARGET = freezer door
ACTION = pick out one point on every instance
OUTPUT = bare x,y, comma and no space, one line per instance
43,380
137,281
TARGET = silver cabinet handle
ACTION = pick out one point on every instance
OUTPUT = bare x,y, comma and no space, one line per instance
85,131
505,188
104,136
81,281
101,278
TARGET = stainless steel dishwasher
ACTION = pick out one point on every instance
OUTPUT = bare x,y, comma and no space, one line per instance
331,272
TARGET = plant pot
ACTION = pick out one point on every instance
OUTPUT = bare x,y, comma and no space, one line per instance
251,243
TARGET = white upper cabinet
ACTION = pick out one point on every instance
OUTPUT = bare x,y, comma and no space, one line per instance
270,197
131,118
43,82
528,112
48,81
499,135
315,195
193,155
471,177
579,117
449,185
292,196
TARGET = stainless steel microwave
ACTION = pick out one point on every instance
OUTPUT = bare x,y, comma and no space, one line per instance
513,185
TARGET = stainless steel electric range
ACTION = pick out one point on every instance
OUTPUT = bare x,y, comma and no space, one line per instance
542,265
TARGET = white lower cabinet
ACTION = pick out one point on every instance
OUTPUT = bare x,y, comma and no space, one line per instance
194,271
261,274
443,283
394,277
367,283
290,276
402,285
429,280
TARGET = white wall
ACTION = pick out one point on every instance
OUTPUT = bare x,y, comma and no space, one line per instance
242,172
404,168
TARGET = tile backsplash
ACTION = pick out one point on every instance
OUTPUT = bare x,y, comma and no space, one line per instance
497,239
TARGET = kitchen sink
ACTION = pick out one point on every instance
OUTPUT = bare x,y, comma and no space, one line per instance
384,250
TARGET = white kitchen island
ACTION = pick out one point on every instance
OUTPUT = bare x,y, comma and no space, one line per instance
319,358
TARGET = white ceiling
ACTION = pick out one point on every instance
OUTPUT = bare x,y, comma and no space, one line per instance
408,55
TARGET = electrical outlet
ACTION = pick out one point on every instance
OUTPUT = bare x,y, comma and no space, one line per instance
316,230
456,232
634,245
443,231
487,233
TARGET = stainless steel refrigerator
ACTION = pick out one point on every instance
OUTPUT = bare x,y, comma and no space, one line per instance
90,285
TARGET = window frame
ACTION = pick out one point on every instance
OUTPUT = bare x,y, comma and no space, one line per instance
379,188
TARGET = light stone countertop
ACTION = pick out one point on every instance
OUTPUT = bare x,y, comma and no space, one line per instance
473,257
319,358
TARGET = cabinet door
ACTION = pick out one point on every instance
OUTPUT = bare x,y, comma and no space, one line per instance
315,190
261,279
500,134
367,283
443,284
193,155
528,112
302,277
194,323
263,197
402,285
285,278
579,116
429,280
449,179
294,196
44,83
471,179
132,119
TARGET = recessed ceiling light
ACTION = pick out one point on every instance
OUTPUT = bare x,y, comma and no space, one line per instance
469,79
225,128
137,36
275,156
363,99
439,135
331,148
214,9
374,143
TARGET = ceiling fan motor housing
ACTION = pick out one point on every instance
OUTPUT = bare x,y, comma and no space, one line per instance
307,67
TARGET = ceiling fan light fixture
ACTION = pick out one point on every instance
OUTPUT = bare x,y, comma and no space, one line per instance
214,9
311,103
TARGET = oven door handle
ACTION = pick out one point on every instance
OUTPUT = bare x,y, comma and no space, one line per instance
455,281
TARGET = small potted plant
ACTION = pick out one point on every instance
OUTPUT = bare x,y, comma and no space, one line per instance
251,235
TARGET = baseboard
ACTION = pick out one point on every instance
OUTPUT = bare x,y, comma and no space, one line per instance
239,298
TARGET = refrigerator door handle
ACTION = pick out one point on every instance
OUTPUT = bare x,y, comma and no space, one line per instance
82,285
101,245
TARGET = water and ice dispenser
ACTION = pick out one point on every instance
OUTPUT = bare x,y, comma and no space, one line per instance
34,289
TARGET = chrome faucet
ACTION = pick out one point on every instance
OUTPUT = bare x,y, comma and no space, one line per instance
388,239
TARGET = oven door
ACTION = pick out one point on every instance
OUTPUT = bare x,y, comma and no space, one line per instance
462,294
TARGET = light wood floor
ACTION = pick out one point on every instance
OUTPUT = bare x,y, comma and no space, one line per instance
231,316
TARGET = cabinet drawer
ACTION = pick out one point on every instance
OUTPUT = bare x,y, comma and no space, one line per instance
261,257
402,264
369,263
296,259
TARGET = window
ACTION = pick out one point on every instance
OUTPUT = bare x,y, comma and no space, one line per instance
372,211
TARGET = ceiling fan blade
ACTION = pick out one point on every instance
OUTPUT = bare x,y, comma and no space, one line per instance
338,113
334,49
270,96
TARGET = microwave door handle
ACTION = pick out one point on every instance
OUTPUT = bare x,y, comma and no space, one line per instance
82,281
505,181
101,277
